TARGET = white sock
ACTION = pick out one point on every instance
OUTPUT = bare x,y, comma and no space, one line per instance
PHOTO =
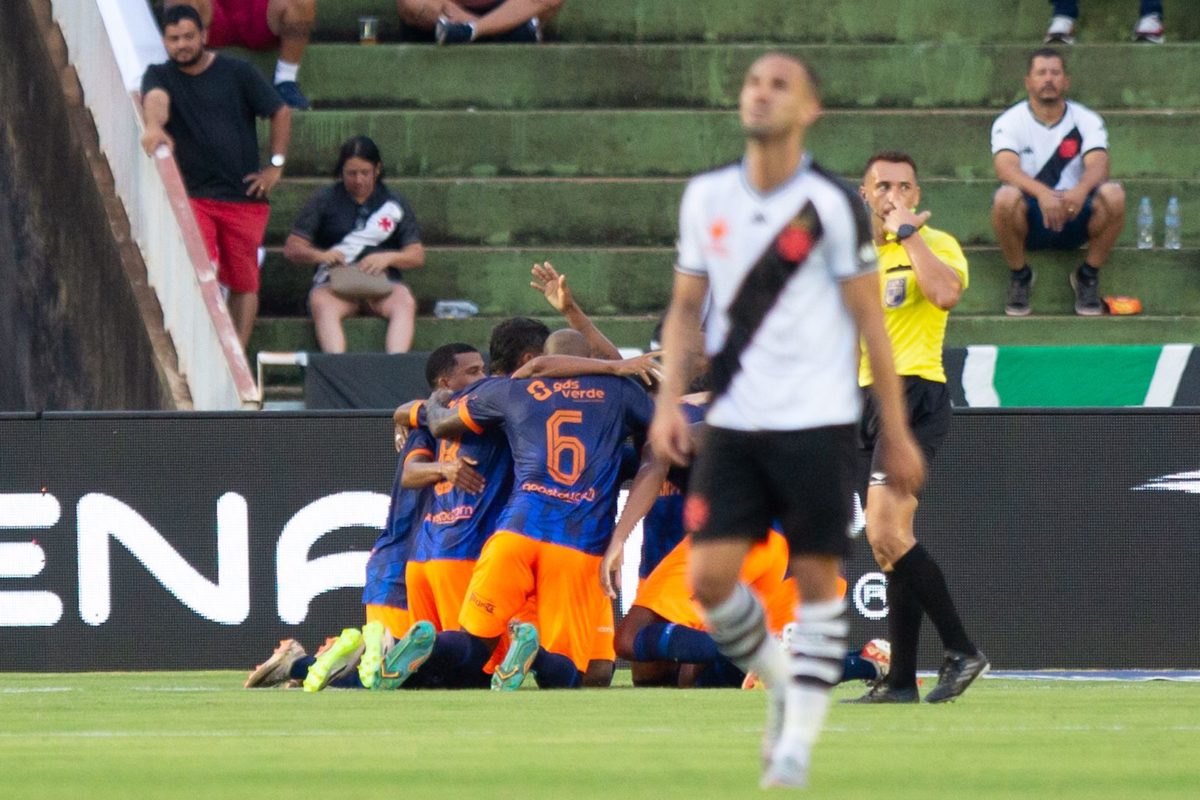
817,650
738,626
286,71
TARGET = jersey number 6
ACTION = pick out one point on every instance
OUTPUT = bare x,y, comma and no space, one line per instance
558,445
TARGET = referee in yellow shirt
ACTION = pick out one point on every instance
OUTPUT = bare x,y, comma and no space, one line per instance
922,275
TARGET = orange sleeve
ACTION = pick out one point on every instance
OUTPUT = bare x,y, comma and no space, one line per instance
420,451
465,416
412,413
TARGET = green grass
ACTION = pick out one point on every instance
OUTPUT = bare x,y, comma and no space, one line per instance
198,734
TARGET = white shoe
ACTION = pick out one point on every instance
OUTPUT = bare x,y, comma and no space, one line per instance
1061,30
879,653
787,768
1149,29
773,730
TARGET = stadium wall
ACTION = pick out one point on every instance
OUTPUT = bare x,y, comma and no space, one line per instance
74,334
170,541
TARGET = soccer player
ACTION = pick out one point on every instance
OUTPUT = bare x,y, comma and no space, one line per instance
922,275
785,250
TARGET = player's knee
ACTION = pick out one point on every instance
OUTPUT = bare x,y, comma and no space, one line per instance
402,300
1111,198
623,640
711,588
1008,200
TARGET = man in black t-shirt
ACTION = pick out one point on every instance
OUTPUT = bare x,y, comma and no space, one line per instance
202,106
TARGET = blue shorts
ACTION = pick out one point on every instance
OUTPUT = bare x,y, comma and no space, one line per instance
1073,235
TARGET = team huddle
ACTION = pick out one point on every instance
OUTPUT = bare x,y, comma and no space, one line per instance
821,312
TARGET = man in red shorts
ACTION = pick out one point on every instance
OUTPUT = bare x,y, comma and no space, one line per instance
463,21
262,25
202,106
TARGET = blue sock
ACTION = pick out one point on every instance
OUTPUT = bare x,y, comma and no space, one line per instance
720,673
857,668
300,667
458,657
348,681
666,641
554,671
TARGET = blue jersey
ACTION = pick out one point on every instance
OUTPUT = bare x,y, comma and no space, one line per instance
566,437
662,528
384,584
458,522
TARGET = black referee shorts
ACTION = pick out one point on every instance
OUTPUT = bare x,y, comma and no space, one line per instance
928,414
743,482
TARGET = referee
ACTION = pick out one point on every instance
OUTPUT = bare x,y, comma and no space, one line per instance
922,274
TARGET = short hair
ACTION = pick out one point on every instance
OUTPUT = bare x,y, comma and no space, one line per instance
567,342
512,339
363,147
891,157
177,14
443,360
1046,52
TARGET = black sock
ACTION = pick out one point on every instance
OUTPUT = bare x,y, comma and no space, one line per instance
904,631
300,667
458,657
1088,274
1023,275
925,579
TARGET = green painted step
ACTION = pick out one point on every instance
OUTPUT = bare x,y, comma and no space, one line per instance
927,75
1068,329
800,20
638,280
635,212
680,143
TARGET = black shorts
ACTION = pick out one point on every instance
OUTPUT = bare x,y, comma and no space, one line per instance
928,414
743,482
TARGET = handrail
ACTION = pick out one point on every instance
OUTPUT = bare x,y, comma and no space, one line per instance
110,43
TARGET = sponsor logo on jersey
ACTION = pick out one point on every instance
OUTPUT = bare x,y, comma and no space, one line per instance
451,516
569,389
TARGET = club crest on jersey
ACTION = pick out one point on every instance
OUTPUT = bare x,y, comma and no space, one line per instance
895,292
717,232
1069,148
795,242
695,513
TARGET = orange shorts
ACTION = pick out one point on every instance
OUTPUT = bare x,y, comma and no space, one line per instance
574,617
396,620
436,590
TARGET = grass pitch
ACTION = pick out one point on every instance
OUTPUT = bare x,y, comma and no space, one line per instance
198,734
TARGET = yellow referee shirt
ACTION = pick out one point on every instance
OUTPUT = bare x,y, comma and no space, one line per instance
916,326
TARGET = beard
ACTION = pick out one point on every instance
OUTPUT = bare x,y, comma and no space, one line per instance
191,62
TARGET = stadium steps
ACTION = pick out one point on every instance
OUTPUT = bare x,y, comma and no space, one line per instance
576,151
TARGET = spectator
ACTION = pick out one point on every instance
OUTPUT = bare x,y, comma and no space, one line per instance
1149,27
202,106
358,221
1051,154
262,25
469,20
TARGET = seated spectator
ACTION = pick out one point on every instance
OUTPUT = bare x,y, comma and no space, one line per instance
473,20
359,222
262,25
1051,154
1149,27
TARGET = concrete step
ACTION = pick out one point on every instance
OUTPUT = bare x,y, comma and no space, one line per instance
924,75
680,143
638,280
1068,329
1022,21
519,212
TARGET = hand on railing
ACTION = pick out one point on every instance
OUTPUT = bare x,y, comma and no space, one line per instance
154,138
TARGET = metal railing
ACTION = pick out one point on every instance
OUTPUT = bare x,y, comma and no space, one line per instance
110,43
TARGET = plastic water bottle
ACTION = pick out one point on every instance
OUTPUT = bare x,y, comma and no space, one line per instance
1145,225
1172,225
455,309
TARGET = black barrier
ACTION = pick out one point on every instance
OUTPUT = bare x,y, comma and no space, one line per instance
198,541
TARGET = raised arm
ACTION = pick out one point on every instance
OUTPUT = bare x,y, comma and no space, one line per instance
553,287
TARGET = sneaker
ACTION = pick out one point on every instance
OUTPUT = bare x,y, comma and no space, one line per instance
376,641
1087,296
1061,30
882,693
788,769
1149,29
291,94
529,33
335,658
879,653
957,672
1019,295
407,656
447,32
517,662
276,670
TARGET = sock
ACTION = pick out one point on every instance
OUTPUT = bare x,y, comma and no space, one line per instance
554,671
1023,275
739,629
1088,274
857,668
720,673
666,641
348,681
300,667
904,631
458,657
926,581
286,71
818,648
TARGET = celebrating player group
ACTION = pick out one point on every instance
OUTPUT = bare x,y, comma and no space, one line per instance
801,365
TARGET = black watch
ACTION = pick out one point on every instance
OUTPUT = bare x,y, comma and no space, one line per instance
904,231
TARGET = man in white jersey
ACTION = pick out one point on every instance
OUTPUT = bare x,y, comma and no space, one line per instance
1051,154
786,251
